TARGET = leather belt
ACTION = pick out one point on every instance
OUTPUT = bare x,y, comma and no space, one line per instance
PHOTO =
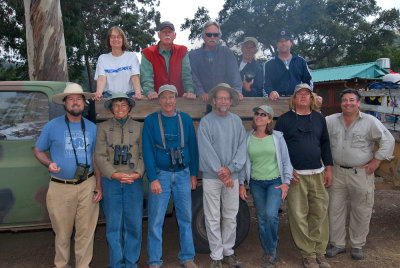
73,182
346,167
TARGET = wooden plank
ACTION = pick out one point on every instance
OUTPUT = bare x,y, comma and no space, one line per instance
380,109
380,92
197,108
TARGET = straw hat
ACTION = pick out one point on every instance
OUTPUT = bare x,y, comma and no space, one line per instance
71,89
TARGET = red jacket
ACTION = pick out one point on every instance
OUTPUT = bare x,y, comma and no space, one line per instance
153,55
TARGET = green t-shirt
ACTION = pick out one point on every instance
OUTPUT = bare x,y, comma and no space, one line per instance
262,152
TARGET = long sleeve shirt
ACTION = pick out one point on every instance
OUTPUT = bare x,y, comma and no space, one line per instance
154,157
353,146
147,74
307,139
209,71
222,143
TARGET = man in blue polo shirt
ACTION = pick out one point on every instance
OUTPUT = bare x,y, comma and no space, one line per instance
75,187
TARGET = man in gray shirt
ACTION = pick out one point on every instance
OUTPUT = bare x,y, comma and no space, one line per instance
353,135
222,151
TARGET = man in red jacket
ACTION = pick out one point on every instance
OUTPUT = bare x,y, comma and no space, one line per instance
166,63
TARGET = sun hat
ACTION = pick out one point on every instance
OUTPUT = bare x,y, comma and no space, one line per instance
114,96
233,92
71,89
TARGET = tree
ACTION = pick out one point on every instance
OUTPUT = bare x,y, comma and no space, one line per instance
47,59
326,32
85,25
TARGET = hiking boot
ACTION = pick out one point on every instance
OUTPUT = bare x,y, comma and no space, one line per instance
233,261
216,264
189,264
269,259
357,254
323,263
310,263
332,251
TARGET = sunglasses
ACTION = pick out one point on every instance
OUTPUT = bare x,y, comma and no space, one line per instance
260,114
212,34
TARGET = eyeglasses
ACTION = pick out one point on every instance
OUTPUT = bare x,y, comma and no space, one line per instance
222,98
212,34
115,37
260,114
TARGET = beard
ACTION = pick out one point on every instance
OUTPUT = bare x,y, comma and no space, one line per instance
75,112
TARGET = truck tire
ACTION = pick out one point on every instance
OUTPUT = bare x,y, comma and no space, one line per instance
198,222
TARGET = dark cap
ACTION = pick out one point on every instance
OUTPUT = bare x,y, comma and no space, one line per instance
284,34
166,24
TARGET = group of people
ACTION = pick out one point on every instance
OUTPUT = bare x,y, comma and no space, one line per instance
305,154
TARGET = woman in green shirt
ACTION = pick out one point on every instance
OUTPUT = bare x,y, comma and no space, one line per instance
268,170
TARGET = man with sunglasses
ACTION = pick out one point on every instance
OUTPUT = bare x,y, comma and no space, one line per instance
213,63
171,159
306,136
166,63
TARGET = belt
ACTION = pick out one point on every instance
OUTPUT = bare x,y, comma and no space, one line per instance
73,182
346,167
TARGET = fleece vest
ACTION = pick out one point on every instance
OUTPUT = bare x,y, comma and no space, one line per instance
161,77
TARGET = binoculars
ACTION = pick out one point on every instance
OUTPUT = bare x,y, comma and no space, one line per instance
176,157
121,155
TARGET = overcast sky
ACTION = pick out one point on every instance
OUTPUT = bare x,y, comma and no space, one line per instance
176,11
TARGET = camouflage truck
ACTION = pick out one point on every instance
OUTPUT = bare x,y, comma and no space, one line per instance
26,106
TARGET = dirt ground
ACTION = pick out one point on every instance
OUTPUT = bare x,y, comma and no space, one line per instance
35,249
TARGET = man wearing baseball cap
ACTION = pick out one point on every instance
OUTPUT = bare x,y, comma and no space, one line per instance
166,63
75,187
307,139
284,71
171,159
251,71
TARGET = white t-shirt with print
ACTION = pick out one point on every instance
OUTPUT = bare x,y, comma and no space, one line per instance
118,71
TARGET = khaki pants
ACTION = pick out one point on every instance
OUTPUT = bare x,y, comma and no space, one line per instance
356,187
307,204
68,205
221,205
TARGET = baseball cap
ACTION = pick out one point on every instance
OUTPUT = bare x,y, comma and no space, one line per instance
170,88
301,86
166,24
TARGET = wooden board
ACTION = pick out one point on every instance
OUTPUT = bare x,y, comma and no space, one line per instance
197,108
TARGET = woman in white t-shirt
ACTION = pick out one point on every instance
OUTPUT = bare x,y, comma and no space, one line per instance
117,71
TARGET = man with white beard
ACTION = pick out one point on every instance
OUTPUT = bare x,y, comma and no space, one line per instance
166,63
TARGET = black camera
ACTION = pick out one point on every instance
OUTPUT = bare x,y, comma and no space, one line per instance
121,155
176,157
81,172
249,76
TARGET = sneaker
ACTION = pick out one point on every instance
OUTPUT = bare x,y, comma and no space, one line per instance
332,251
310,263
269,259
357,254
233,261
216,264
323,263
189,264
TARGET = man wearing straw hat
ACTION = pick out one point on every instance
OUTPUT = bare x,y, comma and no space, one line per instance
222,150
75,187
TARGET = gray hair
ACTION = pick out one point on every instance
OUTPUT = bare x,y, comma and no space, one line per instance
208,24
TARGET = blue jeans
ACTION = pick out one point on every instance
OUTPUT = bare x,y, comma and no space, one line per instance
123,207
108,95
267,201
177,183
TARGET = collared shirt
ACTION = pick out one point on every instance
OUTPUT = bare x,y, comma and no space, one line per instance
353,146
147,75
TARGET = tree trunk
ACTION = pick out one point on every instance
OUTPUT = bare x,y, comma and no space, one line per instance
47,59
89,74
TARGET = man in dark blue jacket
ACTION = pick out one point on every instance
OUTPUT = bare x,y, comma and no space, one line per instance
284,71
251,71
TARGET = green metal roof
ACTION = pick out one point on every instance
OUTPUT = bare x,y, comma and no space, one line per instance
369,70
